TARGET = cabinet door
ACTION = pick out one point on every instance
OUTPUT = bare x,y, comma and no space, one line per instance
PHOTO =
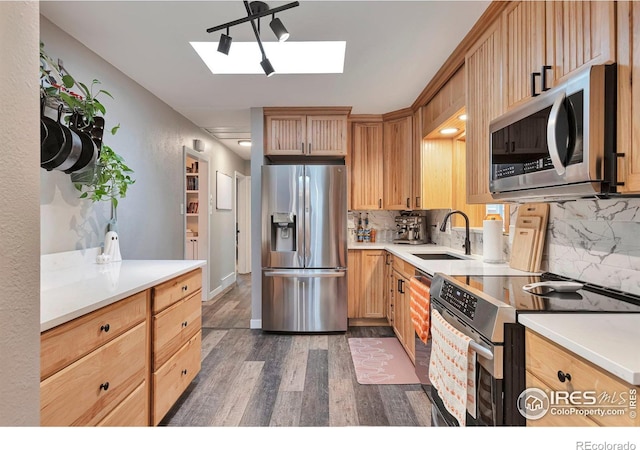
398,313
389,287
629,96
483,65
524,49
327,135
409,342
285,135
581,33
372,298
398,160
353,283
366,166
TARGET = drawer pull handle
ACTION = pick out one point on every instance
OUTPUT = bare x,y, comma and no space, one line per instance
185,287
104,386
105,328
563,376
184,372
184,324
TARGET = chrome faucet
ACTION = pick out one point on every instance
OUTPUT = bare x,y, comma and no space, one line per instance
467,242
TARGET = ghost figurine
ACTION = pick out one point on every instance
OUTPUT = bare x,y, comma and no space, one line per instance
112,246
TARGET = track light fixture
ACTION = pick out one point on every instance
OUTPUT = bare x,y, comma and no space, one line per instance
278,29
225,43
256,10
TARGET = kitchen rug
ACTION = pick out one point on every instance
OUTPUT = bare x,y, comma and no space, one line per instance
381,361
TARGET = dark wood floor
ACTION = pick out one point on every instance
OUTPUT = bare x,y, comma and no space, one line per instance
256,379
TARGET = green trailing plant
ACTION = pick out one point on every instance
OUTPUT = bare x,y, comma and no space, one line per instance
110,179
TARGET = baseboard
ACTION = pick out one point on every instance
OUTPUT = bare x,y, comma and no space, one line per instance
256,324
368,323
227,283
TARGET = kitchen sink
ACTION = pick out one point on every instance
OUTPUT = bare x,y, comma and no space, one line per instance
437,256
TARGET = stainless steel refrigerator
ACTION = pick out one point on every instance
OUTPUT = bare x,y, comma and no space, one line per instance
304,248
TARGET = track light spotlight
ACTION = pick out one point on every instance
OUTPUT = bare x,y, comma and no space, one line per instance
278,29
225,43
267,67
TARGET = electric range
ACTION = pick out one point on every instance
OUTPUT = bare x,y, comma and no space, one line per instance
485,308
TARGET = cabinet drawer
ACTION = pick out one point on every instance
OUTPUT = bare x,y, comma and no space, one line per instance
133,411
171,291
79,394
171,380
545,359
174,326
405,269
68,342
552,420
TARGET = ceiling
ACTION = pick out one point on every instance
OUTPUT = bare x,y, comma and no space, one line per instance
394,48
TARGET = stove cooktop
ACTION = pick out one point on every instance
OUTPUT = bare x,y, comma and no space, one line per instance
591,298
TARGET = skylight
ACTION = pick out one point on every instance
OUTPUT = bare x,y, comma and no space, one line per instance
286,57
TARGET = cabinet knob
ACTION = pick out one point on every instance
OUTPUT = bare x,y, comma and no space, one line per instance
184,324
408,202
563,376
105,328
104,386
380,203
185,287
184,372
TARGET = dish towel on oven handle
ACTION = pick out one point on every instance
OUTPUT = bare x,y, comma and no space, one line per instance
419,308
452,368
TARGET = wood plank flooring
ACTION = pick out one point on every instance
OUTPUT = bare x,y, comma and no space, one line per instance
254,379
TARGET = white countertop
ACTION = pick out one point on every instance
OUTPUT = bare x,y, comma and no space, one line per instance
471,265
70,291
609,341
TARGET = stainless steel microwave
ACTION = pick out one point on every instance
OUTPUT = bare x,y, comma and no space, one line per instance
559,145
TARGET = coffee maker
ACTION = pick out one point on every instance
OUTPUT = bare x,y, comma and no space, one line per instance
411,228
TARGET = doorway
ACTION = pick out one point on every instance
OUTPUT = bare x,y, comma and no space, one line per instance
196,210
243,220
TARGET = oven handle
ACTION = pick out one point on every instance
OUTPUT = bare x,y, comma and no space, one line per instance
480,350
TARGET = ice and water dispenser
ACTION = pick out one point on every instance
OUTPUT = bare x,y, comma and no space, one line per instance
283,232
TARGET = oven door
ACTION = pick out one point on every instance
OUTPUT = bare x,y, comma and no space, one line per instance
489,380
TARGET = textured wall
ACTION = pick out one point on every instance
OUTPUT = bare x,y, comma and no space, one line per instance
19,216
151,140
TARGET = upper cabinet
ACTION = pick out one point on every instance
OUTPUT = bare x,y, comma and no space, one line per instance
628,96
398,160
483,72
544,42
449,99
366,161
306,132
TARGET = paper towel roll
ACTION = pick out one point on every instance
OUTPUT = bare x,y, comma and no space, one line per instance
492,241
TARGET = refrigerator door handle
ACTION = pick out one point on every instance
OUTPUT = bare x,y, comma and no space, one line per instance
301,274
307,220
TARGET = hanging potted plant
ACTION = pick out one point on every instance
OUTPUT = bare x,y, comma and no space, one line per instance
108,177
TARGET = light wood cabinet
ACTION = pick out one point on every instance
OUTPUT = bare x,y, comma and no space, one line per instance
402,325
449,99
366,162
89,365
124,364
300,132
628,54
175,340
483,73
563,35
554,368
367,297
398,161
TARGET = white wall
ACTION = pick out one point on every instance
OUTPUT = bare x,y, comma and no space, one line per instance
151,139
19,216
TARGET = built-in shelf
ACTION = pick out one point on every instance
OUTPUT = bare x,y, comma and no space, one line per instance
192,214
192,192
192,174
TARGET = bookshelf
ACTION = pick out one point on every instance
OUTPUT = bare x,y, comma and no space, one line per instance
192,208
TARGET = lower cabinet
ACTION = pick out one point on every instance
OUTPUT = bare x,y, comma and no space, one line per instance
553,368
117,367
366,272
402,325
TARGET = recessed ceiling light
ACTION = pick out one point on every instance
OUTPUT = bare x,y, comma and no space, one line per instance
244,142
462,117
448,131
285,57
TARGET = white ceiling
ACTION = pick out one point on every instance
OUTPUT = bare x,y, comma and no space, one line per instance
393,49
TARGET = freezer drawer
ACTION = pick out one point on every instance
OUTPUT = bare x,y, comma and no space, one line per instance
304,301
